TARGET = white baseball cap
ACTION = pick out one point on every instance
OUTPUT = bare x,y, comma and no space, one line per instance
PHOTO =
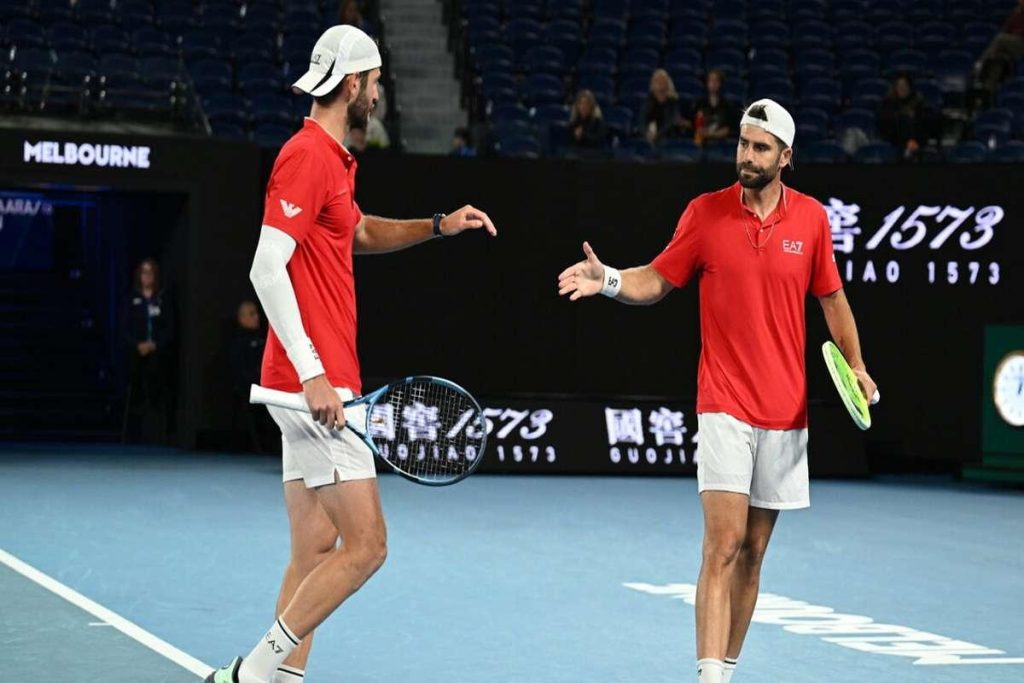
340,51
772,117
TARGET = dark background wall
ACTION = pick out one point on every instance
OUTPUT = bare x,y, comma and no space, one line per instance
486,312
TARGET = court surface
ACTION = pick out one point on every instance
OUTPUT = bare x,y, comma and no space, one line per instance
496,579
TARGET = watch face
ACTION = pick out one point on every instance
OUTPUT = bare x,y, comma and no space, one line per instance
1008,388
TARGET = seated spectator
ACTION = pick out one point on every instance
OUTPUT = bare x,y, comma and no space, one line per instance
1006,48
586,123
714,117
349,13
663,113
461,145
905,119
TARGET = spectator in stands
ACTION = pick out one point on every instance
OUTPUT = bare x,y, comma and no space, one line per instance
905,119
461,144
586,123
253,427
663,113
349,13
1005,49
714,117
148,333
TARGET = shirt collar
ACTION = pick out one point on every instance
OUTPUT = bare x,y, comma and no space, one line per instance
346,157
781,209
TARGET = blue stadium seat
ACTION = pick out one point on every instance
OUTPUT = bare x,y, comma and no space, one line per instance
228,131
968,152
27,33
52,12
822,152
868,93
505,113
994,124
1011,151
526,9
118,66
159,73
720,151
770,57
224,18
912,62
680,150
607,33
952,70
619,120
253,47
201,44
519,147
212,75
603,87
732,62
226,108
271,135
876,153
617,9
150,42
823,93
545,58
684,59
135,13
864,119
94,12
543,88
565,9
930,91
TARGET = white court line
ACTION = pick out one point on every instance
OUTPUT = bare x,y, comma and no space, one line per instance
126,627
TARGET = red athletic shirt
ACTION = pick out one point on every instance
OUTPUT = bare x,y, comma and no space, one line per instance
752,324
311,196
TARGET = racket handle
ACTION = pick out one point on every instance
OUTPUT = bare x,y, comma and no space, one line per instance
280,399
876,397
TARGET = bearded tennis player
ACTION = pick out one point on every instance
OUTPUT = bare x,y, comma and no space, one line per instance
757,249
302,273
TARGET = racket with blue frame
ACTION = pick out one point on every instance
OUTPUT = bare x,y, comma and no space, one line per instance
427,429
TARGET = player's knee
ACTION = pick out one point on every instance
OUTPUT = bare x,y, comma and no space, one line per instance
721,550
752,553
372,552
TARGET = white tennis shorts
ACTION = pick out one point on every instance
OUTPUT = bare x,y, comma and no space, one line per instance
314,453
768,465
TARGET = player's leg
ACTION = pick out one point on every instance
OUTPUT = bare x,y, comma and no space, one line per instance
313,539
725,516
723,477
747,576
354,508
779,482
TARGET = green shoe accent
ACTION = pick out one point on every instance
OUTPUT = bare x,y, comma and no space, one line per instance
227,674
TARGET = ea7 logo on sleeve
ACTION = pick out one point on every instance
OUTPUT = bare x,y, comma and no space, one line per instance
793,247
290,210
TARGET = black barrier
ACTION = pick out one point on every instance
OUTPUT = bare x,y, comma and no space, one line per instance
930,254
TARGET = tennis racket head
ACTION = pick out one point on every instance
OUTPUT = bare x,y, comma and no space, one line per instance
847,385
427,429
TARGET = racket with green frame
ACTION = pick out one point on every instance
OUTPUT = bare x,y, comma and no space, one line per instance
847,385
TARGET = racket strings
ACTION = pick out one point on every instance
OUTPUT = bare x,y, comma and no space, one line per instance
436,431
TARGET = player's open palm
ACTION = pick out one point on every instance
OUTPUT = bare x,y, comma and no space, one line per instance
584,278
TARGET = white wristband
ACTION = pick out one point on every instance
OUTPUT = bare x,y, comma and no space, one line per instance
612,282
305,360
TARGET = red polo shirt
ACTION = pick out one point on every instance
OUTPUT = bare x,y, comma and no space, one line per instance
754,279
311,196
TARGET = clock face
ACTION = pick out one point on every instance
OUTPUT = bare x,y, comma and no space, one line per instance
1008,388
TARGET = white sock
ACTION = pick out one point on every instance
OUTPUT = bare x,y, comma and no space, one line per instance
710,671
288,674
261,664
730,666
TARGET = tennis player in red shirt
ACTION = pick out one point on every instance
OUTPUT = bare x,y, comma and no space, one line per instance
757,248
302,273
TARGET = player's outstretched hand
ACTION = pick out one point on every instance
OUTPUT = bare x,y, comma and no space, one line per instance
466,218
582,279
324,402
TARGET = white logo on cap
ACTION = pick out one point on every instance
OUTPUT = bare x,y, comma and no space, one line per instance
290,210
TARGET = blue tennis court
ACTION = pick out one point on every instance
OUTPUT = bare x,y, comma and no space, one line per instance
497,579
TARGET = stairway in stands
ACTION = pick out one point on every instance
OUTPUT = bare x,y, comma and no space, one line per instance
55,377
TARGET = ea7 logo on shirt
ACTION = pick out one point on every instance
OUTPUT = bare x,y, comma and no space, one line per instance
290,210
793,247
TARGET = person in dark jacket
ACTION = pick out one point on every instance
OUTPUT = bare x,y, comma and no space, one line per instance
905,120
586,124
148,335
663,115
253,427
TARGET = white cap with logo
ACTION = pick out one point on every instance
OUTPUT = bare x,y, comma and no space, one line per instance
772,117
340,51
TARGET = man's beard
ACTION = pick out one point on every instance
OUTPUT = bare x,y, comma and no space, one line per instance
760,179
359,112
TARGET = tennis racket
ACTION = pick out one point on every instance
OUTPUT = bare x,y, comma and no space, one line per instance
427,429
848,386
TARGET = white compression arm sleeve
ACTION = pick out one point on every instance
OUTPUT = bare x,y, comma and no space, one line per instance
269,276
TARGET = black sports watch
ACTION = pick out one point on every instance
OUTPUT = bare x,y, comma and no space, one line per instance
438,217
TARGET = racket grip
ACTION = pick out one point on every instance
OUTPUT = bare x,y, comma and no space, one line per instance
876,397
280,399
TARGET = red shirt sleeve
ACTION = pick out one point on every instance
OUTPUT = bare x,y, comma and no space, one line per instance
295,193
824,273
681,258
